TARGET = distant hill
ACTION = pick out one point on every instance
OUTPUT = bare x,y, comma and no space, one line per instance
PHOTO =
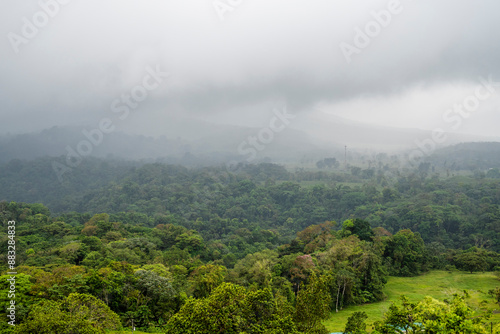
307,139
36,181
468,156
215,145
329,129
53,142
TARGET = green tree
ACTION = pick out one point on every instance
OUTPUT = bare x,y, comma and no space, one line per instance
406,252
344,280
255,268
77,314
452,317
400,319
313,305
20,296
359,227
495,293
231,309
356,323
206,278
159,293
431,316
472,261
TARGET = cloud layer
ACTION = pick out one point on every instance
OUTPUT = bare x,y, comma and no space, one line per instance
263,53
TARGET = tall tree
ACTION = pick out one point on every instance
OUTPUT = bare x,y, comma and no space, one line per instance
313,305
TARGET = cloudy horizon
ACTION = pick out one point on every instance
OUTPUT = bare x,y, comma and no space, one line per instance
401,64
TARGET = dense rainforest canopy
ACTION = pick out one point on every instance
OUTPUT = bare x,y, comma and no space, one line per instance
256,249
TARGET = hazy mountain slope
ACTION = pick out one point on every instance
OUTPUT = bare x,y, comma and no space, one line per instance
206,143
216,144
471,156
334,130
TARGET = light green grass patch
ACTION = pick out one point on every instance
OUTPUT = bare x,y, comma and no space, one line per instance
437,284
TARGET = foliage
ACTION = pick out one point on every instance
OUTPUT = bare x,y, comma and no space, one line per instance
406,253
231,309
431,316
356,323
206,278
475,260
77,314
313,305
156,242
358,227
20,295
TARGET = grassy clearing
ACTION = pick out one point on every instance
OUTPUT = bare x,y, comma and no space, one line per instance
437,284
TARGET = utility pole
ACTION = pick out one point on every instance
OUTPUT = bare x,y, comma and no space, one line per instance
345,157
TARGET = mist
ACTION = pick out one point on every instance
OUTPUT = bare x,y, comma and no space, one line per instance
213,74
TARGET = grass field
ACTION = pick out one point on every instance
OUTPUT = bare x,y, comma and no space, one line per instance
437,284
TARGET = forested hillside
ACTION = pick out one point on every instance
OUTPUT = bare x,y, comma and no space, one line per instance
165,275
456,211
274,250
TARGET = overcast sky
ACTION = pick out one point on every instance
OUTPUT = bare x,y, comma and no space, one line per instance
232,61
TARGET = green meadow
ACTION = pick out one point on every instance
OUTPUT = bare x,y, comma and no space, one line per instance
437,284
